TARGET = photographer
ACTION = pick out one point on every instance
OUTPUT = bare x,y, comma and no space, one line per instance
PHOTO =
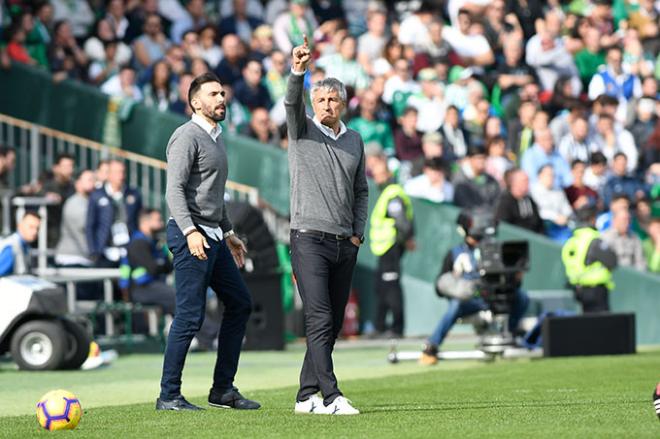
458,281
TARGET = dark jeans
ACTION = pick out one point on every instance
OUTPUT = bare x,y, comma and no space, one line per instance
593,299
193,276
458,308
388,290
323,268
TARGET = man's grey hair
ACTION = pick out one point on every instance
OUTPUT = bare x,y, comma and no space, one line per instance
330,84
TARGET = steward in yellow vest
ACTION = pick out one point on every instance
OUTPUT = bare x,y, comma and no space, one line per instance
589,263
390,234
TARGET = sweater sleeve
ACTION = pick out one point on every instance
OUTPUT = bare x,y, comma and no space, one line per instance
295,106
181,154
225,222
361,204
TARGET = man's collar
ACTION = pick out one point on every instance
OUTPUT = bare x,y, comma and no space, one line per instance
213,131
110,191
329,131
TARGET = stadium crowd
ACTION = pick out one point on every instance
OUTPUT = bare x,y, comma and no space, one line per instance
532,108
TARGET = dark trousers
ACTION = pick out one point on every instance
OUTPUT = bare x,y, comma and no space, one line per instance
193,277
323,267
593,299
388,290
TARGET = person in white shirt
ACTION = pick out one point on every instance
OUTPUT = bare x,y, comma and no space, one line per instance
609,141
430,103
291,25
552,203
431,184
468,42
123,85
372,42
414,28
576,144
400,81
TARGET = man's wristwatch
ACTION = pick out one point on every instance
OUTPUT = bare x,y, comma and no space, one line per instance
228,234
360,237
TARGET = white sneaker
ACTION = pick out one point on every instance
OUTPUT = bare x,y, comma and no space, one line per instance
311,405
340,406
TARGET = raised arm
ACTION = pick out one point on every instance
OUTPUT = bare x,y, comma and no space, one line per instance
293,101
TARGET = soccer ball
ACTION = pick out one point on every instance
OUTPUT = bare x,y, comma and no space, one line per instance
59,410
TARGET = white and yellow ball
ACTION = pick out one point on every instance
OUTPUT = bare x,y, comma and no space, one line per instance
59,410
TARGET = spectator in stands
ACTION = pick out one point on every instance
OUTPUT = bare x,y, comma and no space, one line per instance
161,91
123,85
240,22
429,101
193,19
276,77
230,68
497,162
500,26
370,44
210,51
512,72
432,184
554,208
541,153
77,12
151,45
432,147
292,24
642,131
384,65
95,45
546,53
473,187
343,66
576,145
146,263
521,134
620,182
626,245
14,250
261,128
16,48
651,246
262,45
578,193
413,30
467,42
400,83
595,176
100,70
72,249
67,60
475,115
111,217
591,57
101,173
407,140
456,139
613,81
370,128
8,160
249,90
515,206
180,105
41,33
190,45
619,202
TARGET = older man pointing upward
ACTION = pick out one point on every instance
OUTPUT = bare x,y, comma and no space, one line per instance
328,214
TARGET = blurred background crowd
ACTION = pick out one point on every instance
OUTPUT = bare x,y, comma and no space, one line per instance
532,108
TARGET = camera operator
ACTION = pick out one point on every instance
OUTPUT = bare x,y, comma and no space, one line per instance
589,263
458,281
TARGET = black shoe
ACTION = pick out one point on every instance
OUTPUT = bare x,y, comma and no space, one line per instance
179,403
231,399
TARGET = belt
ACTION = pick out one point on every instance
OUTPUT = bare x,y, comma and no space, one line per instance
322,235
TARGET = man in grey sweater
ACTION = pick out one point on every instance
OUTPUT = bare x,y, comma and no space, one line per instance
329,196
206,251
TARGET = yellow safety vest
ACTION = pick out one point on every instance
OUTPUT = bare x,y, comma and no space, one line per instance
574,254
382,233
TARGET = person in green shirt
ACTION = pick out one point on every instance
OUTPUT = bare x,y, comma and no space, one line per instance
651,246
370,128
590,57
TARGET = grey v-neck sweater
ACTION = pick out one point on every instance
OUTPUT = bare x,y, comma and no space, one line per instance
329,189
196,176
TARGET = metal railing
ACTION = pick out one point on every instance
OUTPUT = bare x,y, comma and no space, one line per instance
37,147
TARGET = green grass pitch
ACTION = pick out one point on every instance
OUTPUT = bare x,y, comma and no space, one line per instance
590,397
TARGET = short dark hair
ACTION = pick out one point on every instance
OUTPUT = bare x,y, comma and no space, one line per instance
605,99
619,196
598,158
542,168
63,156
409,109
576,162
31,213
197,83
146,212
619,154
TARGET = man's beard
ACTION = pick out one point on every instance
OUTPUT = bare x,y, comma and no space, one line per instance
212,115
